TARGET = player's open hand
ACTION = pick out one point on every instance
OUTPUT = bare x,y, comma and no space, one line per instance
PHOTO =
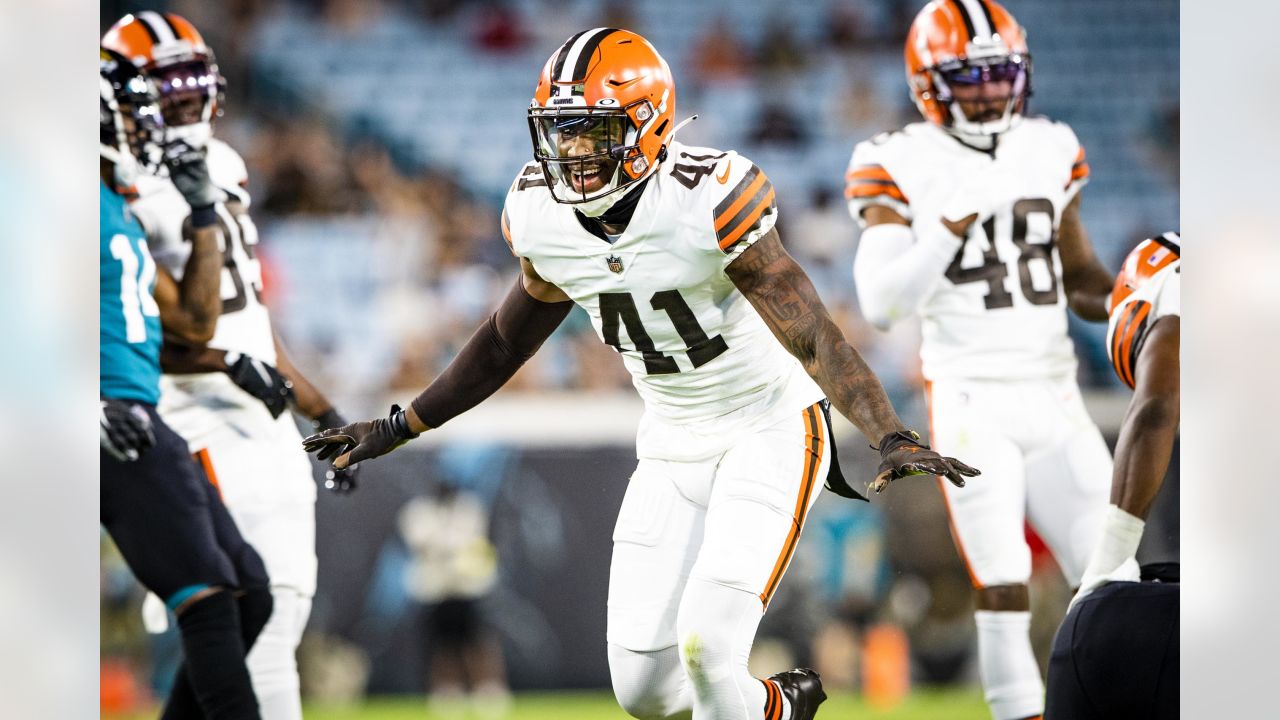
902,454
360,441
338,481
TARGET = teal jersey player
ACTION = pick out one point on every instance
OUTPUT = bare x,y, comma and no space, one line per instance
129,335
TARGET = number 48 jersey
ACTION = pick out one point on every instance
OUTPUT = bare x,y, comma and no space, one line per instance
244,325
999,311
694,345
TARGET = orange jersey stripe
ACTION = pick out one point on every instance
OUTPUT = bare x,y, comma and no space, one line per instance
506,227
207,463
1080,155
815,432
866,189
1139,316
951,520
1079,170
747,196
748,222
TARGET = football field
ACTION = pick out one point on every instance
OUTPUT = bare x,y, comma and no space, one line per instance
965,704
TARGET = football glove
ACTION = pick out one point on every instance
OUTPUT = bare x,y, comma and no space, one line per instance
189,171
359,441
262,381
902,454
125,429
343,481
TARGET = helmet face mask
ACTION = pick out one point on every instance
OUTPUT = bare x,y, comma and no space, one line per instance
970,82
582,151
601,117
171,51
968,67
130,123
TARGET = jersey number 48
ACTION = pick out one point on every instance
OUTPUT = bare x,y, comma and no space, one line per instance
995,269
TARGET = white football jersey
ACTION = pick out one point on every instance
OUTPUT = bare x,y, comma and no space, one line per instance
694,345
999,311
244,325
1153,270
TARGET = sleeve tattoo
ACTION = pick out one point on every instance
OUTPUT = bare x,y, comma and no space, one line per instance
785,298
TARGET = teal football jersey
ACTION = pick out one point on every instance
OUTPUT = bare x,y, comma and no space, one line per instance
129,327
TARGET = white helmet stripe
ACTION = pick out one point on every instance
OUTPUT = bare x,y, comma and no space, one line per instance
158,25
586,42
980,18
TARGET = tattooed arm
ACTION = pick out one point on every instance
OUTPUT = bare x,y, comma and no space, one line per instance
789,305
784,296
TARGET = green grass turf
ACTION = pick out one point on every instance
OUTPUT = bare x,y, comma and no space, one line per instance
964,704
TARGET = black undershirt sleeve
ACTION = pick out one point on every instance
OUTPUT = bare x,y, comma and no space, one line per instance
510,336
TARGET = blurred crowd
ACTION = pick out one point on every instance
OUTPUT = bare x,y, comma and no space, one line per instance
421,261
441,262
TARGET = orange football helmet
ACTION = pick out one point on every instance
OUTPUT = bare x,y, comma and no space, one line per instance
1144,261
601,116
172,52
966,42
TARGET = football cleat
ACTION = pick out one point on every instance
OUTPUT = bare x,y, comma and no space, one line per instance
803,690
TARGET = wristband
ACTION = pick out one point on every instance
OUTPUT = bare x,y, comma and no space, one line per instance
400,424
203,217
897,439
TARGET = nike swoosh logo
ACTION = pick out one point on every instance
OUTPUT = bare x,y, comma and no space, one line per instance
724,178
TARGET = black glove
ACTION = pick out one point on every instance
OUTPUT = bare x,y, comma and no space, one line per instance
341,482
125,429
362,440
261,381
189,172
902,454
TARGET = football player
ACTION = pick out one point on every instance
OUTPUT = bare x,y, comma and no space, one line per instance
172,530
226,395
972,221
1116,654
672,252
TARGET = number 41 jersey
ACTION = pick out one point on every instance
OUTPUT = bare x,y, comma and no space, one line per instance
244,325
696,348
999,311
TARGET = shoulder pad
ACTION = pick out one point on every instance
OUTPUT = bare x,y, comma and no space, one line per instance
868,180
735,193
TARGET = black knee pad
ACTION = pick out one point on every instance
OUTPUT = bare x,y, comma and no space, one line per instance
255,610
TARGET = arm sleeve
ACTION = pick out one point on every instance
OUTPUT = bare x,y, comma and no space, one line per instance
510,336
892,274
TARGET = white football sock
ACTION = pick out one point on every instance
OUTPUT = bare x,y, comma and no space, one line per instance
1010,675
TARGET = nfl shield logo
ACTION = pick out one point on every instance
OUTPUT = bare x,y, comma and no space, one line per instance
615,263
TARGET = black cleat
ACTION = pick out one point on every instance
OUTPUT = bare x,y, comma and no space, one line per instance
803,689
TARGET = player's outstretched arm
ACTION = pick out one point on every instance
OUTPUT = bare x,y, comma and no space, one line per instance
530,313
784,296
1084,278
